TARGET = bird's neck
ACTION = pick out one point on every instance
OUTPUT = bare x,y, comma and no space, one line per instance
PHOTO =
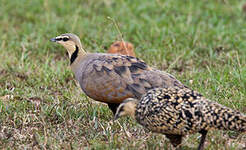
78,53
76,57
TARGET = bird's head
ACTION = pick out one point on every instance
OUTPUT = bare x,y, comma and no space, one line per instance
126,108
70,41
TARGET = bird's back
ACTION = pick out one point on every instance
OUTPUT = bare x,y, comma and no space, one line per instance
183,111
112,78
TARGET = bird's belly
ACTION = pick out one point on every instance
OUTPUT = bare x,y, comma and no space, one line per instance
107,93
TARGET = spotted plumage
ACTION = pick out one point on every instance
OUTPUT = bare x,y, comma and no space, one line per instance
111,78
176,112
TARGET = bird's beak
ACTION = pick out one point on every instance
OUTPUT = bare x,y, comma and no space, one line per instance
53,40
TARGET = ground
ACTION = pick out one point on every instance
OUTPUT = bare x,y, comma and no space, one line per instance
201,42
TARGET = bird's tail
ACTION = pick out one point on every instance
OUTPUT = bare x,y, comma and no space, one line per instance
223,118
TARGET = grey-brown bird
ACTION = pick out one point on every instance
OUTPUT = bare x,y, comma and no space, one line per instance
111,78
123,48
177,112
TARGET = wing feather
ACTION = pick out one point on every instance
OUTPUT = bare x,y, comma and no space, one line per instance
113,78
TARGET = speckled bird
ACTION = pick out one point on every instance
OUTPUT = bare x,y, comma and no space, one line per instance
176,112
111,78
123,48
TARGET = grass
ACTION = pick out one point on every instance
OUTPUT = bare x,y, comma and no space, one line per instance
202,43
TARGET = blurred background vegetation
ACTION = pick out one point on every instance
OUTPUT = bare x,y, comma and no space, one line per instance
201,42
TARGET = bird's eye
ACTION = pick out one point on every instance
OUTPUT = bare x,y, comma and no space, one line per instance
65,39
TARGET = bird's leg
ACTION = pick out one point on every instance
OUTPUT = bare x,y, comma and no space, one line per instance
203,138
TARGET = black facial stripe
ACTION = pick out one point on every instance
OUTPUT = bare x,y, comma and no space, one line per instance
74,55
65,39
58,39
121,109
62,39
